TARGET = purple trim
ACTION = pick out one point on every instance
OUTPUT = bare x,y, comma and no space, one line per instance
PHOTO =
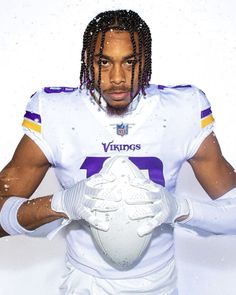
182,86
177,86
33,95
59,89
33,117
206,112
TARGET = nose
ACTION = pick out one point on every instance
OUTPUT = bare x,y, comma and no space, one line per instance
117,75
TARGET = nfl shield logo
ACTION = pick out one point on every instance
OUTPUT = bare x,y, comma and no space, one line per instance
122,129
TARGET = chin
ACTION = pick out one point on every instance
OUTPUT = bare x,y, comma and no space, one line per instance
117,110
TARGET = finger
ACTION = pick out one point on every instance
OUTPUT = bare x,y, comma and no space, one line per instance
100,205
140,212
95,221
107,206
150,225
141,197
145,184
101,225
110,195
109,177
99,179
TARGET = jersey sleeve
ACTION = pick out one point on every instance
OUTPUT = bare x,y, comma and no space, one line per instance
33,125
204,122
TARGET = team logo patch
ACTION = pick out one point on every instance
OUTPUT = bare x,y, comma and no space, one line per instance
122,129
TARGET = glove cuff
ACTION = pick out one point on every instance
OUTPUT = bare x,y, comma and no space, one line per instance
57,202
184,209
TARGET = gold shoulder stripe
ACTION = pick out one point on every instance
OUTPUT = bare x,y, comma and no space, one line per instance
32,125
206,121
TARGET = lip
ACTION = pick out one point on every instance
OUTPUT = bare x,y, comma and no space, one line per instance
118,95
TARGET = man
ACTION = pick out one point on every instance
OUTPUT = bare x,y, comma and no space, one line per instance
116,112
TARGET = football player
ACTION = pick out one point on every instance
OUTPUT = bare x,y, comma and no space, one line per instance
80,131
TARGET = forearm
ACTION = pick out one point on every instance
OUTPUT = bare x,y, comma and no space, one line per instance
37,212
218,216
31,215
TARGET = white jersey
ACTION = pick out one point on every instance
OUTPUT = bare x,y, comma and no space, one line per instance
159,132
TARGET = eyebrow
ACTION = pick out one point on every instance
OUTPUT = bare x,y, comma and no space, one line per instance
124,58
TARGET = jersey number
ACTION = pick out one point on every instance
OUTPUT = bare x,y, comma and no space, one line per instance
154,166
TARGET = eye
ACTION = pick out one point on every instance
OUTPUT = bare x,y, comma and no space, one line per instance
105,63
130,62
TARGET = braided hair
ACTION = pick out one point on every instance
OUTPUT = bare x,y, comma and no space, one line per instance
126,20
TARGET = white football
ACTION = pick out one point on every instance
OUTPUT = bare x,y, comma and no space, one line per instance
121,245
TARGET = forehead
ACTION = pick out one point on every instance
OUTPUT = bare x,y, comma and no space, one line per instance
116,43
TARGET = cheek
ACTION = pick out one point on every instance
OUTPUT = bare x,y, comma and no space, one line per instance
104,78
136,76
95,66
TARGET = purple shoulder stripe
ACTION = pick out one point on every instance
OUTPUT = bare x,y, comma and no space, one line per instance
206,113
33,116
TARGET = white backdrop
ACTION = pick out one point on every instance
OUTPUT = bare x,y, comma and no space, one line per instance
194,41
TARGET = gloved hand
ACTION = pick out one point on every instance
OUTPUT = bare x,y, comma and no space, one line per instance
82,200
154,201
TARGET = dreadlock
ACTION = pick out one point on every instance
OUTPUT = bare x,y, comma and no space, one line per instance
126,20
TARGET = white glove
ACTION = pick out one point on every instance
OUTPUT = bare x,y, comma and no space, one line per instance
156,202
82,200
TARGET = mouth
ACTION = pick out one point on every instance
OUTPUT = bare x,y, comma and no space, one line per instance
119,95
